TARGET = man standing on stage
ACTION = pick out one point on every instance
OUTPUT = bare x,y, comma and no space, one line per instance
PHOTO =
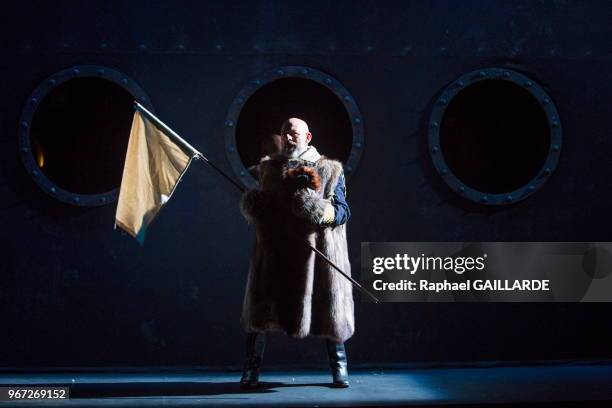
301,200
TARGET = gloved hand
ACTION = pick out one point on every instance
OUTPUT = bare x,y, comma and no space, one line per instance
302,181
302,177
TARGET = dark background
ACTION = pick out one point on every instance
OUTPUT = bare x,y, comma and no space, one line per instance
75,292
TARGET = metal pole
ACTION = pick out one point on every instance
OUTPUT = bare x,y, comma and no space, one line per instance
353,281
189,149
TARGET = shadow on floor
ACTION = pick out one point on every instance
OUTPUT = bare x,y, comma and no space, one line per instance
139,389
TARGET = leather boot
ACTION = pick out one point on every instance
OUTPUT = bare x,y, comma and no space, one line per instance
256,343
338,363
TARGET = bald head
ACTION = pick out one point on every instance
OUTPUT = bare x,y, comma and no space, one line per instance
295,137
295,123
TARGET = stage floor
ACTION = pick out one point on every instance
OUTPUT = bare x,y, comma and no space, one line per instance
549,385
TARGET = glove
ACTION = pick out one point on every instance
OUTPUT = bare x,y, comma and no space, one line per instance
302,177
302,181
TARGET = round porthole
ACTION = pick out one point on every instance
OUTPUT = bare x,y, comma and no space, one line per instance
74,133
494,136
257,113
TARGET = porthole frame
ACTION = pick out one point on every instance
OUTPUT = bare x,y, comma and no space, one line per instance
539,95
29,110
292,71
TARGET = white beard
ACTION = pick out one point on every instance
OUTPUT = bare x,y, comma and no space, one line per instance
295,152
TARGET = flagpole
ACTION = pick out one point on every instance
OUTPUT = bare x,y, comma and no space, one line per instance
189,149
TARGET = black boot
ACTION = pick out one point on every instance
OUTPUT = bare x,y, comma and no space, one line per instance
338,363
256,343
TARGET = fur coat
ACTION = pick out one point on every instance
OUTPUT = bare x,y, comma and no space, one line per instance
288,287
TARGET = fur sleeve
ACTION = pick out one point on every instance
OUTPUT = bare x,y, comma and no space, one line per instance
254,205
314,209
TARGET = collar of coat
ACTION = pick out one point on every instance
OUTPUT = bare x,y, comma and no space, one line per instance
310,155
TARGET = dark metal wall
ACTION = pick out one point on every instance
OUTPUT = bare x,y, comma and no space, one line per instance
75,292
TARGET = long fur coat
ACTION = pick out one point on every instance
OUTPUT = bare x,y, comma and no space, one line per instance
288,287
